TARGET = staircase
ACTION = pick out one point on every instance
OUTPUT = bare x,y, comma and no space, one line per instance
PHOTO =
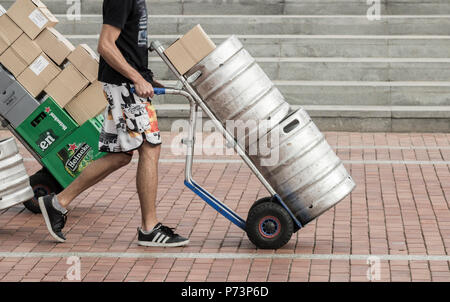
350,73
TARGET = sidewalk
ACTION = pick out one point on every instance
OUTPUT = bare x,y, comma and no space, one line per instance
399,213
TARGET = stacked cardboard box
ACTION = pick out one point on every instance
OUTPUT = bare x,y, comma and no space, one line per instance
43,61
86,60
23,56
38,75
20,55
91,101
55,45
9,32
190,49
32,16
83,107
66,85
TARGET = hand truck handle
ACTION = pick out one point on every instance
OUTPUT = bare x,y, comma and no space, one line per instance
156,90
159,91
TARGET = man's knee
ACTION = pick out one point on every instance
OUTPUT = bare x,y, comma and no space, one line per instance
149,150
120,159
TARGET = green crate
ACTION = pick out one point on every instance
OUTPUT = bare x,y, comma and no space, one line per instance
46,127
71,156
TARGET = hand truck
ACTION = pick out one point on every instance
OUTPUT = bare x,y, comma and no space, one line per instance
271,228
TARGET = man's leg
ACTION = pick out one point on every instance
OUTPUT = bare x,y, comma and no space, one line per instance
94,173
53,207
151,232
147,183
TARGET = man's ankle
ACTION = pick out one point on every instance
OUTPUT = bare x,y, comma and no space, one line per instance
146,229
58,205
63,201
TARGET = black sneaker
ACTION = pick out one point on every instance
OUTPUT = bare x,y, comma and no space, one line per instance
161,236
54,219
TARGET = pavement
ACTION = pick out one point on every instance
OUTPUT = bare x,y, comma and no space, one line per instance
395,226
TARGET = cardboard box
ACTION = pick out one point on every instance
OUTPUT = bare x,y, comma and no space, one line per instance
32,16
189,49
66,85
54,45
88,104
38,75
13,62
9,32
20,54
27,49
86,61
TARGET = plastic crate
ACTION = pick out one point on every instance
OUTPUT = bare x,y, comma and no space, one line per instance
46,127
72,155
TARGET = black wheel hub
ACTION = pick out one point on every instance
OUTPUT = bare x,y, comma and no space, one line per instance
269,227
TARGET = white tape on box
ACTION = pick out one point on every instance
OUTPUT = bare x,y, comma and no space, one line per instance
38,18
39,65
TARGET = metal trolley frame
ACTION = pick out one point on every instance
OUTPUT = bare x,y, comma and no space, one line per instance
196,102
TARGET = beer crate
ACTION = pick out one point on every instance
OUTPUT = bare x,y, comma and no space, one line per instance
72,155
46,127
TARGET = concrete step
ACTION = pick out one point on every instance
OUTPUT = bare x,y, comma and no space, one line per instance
341,69
264,7
321,45
419,7
275,25
342,118
352,93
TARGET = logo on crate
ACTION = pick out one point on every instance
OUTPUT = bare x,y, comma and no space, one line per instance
75,158
43,115
46,139
56,119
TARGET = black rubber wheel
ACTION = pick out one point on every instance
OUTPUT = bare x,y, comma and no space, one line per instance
43,183
269,225
262,200
273,199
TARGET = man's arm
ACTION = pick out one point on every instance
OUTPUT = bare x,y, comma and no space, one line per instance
108,50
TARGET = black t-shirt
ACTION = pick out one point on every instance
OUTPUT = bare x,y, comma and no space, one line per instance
131,17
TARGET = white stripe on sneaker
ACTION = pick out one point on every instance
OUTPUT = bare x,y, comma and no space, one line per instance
161,238
156,237
165,240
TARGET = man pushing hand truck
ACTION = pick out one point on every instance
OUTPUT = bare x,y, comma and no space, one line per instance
304,180
130,123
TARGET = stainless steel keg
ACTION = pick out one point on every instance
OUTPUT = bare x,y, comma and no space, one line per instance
304,170
14,181
307,174
235,87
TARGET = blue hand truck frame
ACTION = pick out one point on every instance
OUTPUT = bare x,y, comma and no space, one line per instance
196,102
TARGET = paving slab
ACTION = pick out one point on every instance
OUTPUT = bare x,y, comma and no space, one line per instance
396,220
